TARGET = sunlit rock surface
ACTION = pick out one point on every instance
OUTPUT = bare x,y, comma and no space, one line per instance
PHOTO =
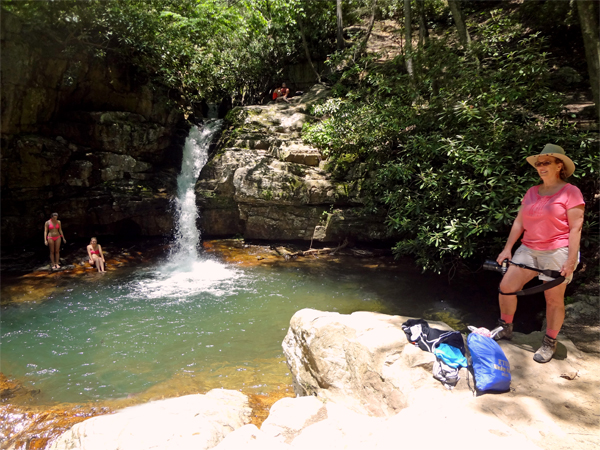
361,360
263,182
371,383
331,426
191,422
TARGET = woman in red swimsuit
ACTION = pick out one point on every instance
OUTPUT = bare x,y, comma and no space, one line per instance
96,256
52,238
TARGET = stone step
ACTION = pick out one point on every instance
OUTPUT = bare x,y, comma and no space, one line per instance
253,144
297,153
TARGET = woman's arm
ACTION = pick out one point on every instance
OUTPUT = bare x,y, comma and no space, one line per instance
45,233
575,219
89,252
61,232
101,254
515,232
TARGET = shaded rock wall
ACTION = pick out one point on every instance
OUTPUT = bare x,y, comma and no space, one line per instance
85,136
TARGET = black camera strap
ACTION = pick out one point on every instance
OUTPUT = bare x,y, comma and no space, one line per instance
558,279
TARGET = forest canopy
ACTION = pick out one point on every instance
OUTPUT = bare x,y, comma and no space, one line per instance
204,49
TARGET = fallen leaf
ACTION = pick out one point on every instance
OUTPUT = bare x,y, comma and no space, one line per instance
570,375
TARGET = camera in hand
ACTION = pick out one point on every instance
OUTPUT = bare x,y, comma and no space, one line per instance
490,264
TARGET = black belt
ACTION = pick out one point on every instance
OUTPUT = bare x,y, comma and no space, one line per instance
558,279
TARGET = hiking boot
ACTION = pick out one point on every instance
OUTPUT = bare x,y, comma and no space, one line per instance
546,351
502,331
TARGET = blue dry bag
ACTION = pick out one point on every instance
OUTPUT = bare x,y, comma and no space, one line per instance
490,366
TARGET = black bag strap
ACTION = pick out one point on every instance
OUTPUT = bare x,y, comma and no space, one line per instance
547,272
558,279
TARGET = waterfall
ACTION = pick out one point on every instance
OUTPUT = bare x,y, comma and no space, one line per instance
195,155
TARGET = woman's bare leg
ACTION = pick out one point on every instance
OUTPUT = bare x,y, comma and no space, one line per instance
51,245
57,252
513,281
97,262
555,307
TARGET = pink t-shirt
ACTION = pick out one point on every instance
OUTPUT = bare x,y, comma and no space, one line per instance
545,217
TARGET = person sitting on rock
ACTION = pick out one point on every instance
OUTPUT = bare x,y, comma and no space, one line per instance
96,256
282,93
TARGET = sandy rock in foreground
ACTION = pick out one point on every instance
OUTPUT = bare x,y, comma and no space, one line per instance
191,422
316,425
362,362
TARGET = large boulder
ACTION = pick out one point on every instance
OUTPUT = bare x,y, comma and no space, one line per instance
361,360
196,422
361,363
308,423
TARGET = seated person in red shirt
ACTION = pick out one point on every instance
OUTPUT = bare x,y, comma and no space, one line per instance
282,93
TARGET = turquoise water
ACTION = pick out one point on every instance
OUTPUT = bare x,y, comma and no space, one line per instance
112,335
200,324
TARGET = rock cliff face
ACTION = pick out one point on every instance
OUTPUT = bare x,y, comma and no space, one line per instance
83,136
89,138
263,182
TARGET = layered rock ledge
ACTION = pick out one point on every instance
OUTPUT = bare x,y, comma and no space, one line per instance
264,182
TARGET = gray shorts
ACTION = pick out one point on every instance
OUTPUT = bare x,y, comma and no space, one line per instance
543,259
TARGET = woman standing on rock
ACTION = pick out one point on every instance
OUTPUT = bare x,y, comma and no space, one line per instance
550,219
96,256
52,238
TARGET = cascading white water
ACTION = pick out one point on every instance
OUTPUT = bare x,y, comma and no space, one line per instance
195,155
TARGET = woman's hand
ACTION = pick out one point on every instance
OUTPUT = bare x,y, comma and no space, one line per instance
505,254
568,268
46,242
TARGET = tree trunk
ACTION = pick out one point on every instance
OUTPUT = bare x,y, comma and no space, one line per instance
588,18
408,37
340,26
305,45
423,31
461,27
363,45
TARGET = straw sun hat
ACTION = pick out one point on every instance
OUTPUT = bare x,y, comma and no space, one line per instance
557,152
